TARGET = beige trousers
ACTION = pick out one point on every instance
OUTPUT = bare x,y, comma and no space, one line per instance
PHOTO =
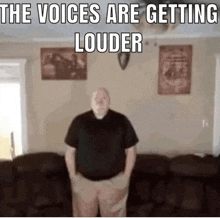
110,196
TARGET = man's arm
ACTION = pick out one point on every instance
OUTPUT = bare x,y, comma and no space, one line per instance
130,160
70,157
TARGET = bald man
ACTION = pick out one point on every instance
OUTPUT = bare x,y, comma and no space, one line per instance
100,158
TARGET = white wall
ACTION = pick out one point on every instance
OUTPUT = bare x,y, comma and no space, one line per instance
164,124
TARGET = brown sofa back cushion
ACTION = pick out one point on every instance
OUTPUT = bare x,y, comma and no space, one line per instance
152,164
6,171
45,162
192,165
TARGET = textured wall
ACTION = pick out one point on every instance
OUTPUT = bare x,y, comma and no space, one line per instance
164,124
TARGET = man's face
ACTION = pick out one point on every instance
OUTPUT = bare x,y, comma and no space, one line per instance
100,102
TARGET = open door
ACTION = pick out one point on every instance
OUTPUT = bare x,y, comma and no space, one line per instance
13,122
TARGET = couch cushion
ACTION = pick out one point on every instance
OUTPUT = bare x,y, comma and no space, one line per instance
44,162
193,195
191,165
153,164
175,189
163,210
7,193
143,189
143,210
213,200
42,190
6,171
159,192
9,211
181,212
46,212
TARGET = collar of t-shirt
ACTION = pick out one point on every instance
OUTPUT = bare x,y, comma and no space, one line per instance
100,117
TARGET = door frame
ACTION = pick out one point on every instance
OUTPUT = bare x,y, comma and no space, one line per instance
24,130
216,127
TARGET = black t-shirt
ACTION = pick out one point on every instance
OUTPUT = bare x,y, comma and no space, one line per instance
100,144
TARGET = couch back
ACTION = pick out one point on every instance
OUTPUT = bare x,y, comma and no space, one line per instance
38,184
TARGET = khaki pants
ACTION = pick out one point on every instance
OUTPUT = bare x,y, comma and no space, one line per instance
110,196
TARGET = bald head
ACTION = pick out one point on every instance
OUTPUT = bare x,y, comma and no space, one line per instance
100,101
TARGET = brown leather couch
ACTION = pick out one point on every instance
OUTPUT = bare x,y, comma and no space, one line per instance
38,185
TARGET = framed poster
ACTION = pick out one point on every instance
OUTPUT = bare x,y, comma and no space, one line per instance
63,64
175,69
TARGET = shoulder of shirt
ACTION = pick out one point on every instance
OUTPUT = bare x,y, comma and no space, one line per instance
117,114
84,115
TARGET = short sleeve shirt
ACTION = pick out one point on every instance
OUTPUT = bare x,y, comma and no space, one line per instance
100,143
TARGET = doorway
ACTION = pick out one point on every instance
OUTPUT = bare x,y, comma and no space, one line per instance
13,131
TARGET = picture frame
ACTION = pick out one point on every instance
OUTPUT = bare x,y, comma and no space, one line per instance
63,64
175,69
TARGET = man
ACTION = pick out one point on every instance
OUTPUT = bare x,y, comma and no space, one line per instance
100,158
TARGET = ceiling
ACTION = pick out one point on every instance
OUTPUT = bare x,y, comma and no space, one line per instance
65,32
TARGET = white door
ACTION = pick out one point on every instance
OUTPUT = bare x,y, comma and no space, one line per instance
10,119
13,131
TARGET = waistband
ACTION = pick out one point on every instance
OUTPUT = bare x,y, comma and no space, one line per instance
101,178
